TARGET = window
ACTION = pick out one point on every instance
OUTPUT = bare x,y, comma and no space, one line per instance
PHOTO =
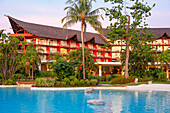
63,43
63,50
115,55
98,54
90,46
73,44
116,48
53,50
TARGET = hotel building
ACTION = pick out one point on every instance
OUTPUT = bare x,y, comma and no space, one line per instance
55,39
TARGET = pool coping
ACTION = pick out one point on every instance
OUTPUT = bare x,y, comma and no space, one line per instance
77,88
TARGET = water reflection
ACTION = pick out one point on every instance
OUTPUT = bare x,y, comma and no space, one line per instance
132,102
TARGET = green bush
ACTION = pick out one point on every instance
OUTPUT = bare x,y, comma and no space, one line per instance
66,80
101,78
46,74
63,83
87,82
119,80
57,83
72,83
144,79
93,77
81,82
15,76
111,77
9,82
42,82
76,81
93,82
72,77
162,76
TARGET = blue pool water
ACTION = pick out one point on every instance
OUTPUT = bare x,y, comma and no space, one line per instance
20,100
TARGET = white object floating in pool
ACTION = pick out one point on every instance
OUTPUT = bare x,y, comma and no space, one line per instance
89,90
97,102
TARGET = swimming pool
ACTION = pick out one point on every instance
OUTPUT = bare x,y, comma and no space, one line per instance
22,100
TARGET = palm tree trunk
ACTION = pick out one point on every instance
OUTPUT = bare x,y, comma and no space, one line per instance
82,40
32,72
127,60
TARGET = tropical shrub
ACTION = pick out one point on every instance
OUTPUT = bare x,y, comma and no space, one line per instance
72,83
93,77
76,81
162,76
42,82
87,82
47,74
144,79
63,83
66,80
57,83
81,82
9,82
15,77
72,77
119,80
93,82
111,77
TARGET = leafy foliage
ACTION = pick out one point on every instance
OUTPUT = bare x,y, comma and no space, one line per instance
130,25
62,67
10,59
139,57
76,56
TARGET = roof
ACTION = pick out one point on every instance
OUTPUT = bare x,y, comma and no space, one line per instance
53,32
159,32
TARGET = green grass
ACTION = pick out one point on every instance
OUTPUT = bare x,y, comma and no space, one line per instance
158,82
104,82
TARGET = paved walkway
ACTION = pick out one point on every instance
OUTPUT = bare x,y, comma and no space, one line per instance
153,87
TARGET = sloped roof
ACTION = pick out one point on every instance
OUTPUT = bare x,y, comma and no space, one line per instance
159,32
53,32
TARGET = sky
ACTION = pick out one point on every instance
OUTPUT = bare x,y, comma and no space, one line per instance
50,12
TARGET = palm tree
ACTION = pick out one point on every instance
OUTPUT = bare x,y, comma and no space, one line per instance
81,11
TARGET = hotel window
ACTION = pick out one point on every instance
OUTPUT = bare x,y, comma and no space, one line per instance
63,50
42,41
116,48
73,44
51,42
98,60
29,41
63,43
168,41
106,54
90,46
166,48
106,60
159,48
157,42
53,50
98,54
115,55
99,47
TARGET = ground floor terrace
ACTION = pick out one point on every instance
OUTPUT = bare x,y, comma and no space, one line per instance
110,68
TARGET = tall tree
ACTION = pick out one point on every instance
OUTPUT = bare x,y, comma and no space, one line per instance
81,11
31,58
10,59
129,25
76,56
139,58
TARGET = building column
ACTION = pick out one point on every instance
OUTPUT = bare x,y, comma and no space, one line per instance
100,70
39,67
167,72
122,72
